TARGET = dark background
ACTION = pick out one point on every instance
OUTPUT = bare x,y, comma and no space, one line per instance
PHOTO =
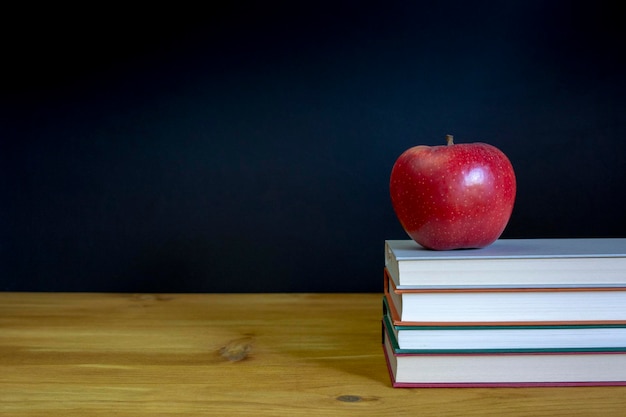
247,146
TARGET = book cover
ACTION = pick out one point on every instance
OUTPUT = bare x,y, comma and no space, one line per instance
516,263
503,369
466,307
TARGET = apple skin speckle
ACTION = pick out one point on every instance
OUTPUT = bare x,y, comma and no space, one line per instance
453,196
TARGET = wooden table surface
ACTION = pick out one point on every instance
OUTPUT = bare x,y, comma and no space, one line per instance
230,354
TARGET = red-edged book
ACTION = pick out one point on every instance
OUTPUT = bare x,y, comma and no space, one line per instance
479,369
505,306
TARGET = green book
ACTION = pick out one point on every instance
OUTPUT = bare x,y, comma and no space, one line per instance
505,339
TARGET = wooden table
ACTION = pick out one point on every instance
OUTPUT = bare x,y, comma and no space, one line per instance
226,354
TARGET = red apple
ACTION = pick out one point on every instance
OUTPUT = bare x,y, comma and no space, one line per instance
453,196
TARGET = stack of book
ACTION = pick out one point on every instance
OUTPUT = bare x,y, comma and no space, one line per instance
520,312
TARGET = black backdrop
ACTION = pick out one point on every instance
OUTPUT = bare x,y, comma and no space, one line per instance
247,146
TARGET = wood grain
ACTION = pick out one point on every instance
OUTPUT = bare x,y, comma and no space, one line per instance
230,354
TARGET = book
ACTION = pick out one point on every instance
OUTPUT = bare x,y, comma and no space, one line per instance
493,306
504,339
514,263
503,369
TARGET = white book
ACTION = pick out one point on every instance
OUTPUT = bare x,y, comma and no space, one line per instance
504,370
510,263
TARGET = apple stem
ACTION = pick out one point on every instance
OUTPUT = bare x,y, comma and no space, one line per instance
450,140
